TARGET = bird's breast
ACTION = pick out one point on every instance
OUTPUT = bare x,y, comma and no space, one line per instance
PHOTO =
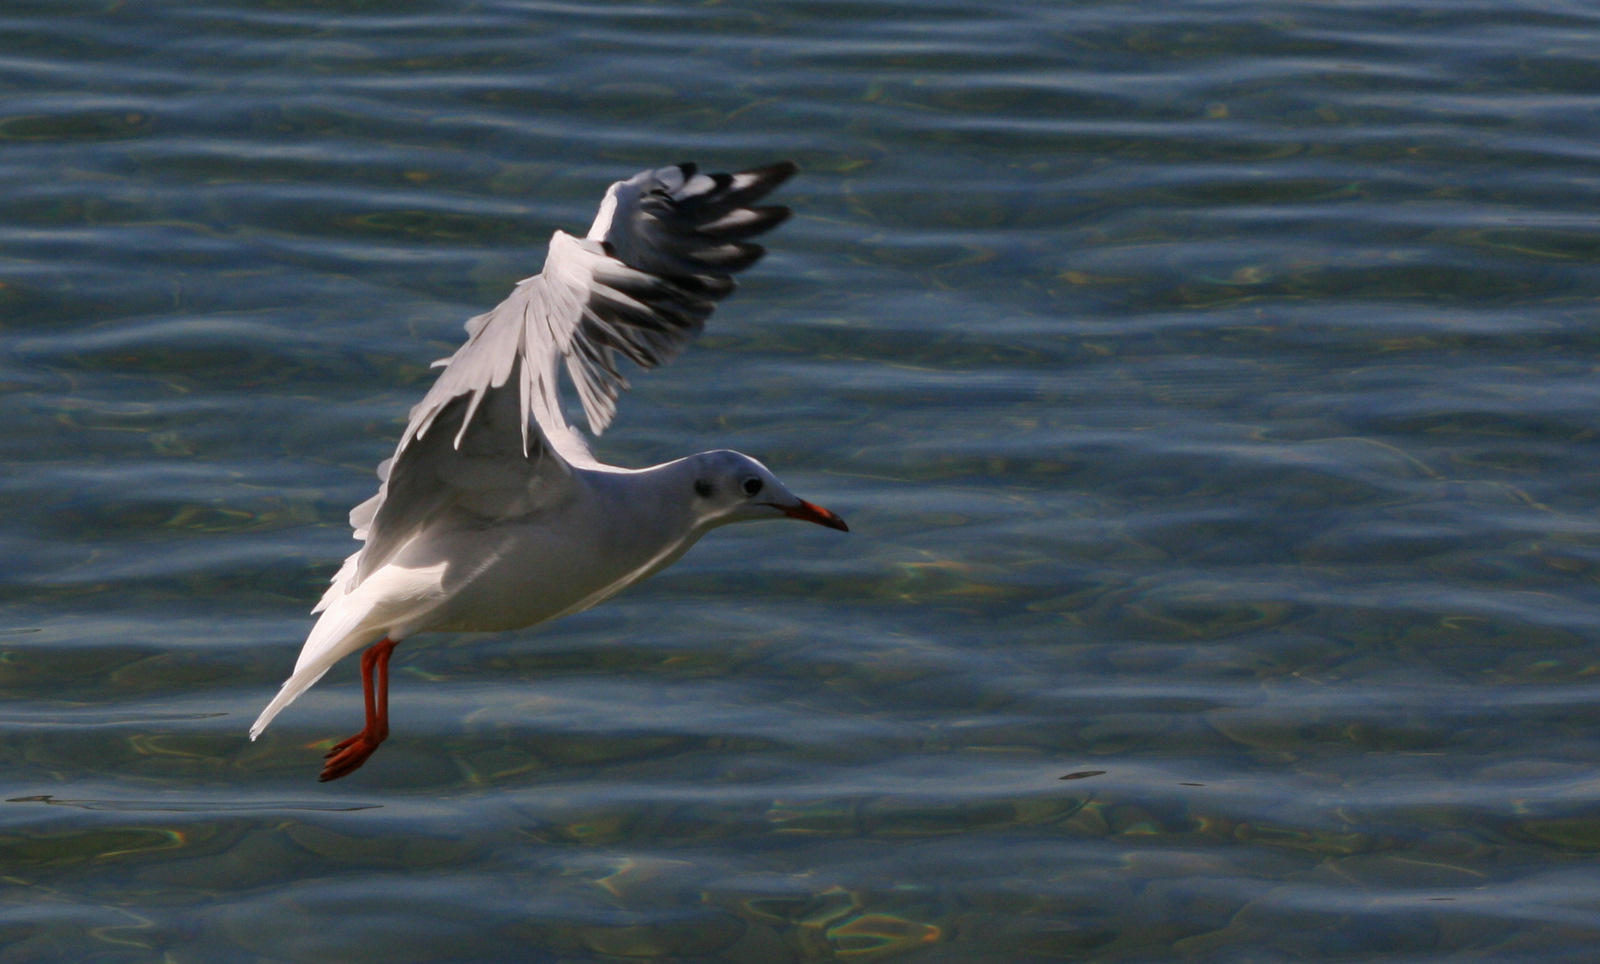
516,575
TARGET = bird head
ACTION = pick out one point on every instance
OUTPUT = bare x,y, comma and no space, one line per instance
732,487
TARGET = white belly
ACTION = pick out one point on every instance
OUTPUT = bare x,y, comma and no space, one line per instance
512,576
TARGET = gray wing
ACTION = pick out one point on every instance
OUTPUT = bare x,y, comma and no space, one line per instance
661,252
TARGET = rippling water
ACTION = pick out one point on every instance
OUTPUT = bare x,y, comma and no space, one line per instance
1210,386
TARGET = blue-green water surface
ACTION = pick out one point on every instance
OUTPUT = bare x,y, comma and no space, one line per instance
1210,386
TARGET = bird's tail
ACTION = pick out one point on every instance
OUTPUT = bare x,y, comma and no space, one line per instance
292,688
336,635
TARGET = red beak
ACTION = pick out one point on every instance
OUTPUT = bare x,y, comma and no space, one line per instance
811,512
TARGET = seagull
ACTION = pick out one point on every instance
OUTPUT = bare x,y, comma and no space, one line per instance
493,514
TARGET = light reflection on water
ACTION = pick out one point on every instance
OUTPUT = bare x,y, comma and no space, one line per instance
1210,390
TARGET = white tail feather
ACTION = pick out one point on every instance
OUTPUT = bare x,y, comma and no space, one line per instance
292,688
331,640
365,614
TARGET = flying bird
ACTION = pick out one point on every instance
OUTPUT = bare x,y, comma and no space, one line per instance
493,514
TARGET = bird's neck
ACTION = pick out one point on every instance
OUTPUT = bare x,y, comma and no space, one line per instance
652,506
643,517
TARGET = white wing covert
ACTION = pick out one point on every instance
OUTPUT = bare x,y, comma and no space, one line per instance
640,285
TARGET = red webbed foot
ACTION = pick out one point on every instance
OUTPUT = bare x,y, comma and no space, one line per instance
347,756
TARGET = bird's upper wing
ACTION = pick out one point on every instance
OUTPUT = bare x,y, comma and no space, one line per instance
661,252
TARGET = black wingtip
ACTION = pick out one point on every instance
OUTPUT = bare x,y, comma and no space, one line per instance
751,222
770,216
730,257
747,187
774,174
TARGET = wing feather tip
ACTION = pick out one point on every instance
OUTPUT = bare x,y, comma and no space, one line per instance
777,173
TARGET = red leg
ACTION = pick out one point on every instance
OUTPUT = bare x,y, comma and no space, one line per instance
383,691
347,756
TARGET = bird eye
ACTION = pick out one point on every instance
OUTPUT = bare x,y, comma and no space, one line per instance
752,486
703,489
